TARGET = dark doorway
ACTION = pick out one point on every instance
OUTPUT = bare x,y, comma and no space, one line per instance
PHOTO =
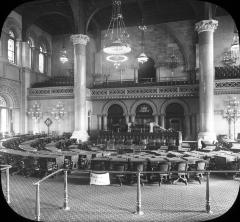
147,71
115,119
175,117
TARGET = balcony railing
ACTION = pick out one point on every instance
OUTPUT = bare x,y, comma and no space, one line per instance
133,90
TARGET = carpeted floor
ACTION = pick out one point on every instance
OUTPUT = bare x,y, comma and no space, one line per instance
114,203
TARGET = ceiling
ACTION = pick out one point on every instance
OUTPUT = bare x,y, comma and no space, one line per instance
64,16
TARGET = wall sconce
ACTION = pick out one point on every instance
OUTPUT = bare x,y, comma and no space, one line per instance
35,111
232,113
58,111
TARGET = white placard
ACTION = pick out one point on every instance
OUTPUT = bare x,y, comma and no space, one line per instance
99,179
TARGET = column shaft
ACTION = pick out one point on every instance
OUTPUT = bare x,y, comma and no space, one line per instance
205,30
80,122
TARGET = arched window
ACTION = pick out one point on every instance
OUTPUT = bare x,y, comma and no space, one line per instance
30,52
3,115
41,62
11,47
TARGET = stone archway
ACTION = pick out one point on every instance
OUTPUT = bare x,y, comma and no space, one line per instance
110,103
178,119
11,112
136,104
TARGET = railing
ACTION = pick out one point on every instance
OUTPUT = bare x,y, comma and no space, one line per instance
139,199
37,184
7,167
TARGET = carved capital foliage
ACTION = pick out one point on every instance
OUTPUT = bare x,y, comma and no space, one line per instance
80,39
206,25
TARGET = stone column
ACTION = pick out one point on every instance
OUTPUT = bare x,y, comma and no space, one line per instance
205,29
105,122
157,73
35,58
25,79
163,120
99,122
127,119
133,118
187,120
80,121
156,119
19,52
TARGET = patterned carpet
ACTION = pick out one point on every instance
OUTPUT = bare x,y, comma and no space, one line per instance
114,203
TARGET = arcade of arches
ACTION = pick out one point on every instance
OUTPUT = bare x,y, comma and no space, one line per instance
174,117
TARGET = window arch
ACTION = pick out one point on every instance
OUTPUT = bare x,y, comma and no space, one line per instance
11,47
41,59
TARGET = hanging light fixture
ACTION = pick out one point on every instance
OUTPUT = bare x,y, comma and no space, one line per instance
63,55
117,59
231,56
142,57
116,37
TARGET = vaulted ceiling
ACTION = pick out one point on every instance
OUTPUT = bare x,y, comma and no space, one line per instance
70,16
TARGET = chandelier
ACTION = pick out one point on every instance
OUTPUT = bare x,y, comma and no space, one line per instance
117,59
58,111
142,57
35,111
116,37
63,55
231,56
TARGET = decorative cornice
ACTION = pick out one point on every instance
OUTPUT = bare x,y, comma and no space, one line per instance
80,39
206,25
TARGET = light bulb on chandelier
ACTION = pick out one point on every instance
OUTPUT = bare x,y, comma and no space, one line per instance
116,37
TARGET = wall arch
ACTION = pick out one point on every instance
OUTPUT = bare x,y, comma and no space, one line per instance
10,95
108,104
180,45
178,101
32,35
42,40
137,103
14,25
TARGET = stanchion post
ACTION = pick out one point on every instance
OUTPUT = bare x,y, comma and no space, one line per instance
7,186
208,208
37,206
65,203
139,204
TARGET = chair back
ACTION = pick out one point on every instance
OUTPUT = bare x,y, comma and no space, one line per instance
119,167
138,167
163,166
201,165
182,166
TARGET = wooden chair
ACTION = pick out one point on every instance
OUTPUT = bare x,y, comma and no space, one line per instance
200,165
119,176
181,176
163,177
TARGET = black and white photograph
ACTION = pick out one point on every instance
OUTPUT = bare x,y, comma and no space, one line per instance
119,110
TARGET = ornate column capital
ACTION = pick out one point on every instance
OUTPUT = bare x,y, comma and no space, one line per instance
80,39
206,25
